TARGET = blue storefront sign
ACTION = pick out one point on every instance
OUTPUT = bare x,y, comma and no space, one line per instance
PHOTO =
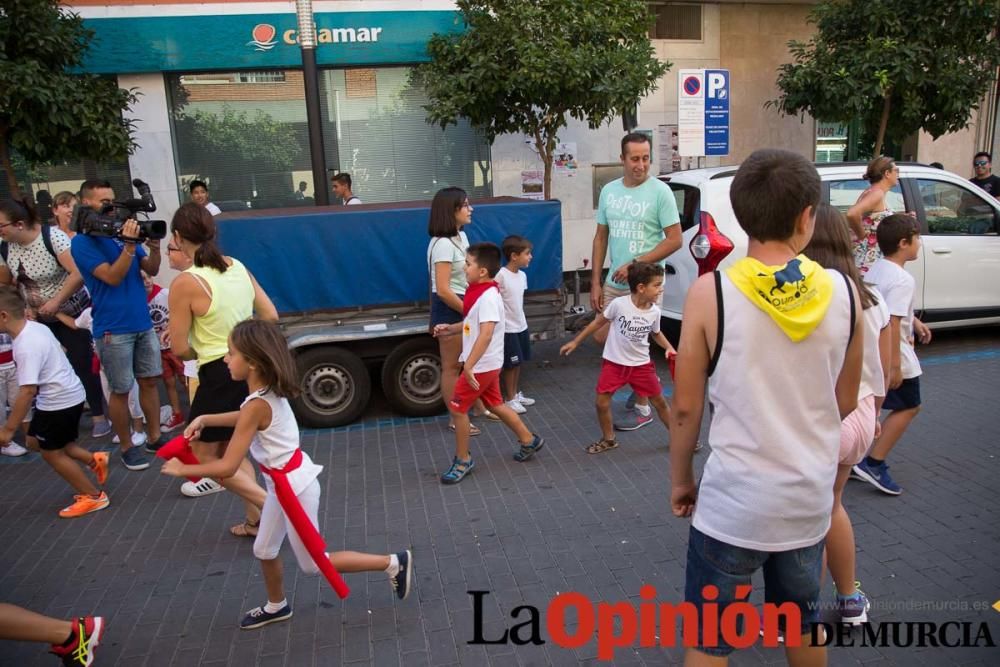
716,112
261,41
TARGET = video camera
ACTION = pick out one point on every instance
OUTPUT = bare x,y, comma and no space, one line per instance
112,216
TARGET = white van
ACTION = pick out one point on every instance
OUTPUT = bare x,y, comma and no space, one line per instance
958,272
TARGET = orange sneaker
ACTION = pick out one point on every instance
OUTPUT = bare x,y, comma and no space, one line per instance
99,466
84,505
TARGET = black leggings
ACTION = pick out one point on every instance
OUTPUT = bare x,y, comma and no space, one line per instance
80,351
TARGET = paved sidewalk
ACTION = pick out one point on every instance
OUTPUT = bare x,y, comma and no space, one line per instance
173,583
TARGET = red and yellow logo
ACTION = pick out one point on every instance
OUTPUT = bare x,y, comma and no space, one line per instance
263,37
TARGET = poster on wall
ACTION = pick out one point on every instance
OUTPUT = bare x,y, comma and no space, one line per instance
533,184
564,159
666,147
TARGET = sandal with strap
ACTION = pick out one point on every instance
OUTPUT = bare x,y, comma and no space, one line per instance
246,529
602,445
473,429
458,470
528,450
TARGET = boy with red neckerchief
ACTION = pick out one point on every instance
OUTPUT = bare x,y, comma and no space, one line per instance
482,358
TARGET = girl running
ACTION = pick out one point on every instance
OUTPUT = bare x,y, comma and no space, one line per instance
265,425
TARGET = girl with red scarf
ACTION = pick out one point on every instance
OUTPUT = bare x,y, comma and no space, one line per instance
265,425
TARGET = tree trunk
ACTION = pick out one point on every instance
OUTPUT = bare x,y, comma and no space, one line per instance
8,167
542,145
883,122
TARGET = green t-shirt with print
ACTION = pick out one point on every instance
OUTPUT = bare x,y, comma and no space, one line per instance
635,218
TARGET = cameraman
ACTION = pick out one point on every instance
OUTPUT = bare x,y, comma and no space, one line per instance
123,331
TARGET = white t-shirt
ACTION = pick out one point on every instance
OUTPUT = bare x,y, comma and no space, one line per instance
876,318
512,288
898,287
273,447
451,250
159,312
628,338
212,208
488,308
41,361
353,201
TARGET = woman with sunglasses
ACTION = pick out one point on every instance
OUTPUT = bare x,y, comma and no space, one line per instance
870,209
38,261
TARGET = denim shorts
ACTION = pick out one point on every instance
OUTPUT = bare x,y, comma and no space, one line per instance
126,357
904,397
789,576
442,313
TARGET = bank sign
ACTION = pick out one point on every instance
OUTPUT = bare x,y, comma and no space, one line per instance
261,41
703,112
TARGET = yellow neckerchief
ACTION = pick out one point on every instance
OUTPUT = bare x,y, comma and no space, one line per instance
796,295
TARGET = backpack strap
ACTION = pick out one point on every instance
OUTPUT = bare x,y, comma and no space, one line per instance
4,249
854,311
47,240
720,324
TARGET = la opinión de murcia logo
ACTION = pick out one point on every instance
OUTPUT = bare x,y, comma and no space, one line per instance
263,37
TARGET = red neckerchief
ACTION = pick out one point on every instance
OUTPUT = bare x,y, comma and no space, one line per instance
153,292
304,528
473,293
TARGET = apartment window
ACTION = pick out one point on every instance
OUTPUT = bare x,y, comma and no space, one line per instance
261,77
680,22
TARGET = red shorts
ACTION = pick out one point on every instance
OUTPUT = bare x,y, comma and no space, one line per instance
642,379
465,395
172,365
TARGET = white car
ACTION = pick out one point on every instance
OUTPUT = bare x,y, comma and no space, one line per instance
958,272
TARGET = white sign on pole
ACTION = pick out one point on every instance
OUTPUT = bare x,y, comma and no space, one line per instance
691,112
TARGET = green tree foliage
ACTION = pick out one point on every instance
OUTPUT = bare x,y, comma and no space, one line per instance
48,111
234,138
526,66
897,65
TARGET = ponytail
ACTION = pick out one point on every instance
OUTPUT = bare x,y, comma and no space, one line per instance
195,224
208,254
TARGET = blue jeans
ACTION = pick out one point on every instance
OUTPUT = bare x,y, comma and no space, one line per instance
126,357
789,576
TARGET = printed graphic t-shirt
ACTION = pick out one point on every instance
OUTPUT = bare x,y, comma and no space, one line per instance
635,218
898,287
488,308
628,338
512,289
159,312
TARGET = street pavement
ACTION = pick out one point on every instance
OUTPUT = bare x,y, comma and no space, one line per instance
173,584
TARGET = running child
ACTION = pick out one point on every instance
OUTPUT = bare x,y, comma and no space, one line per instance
899,242
513,283
8,393
777,339
265,425
173,368
46,377
482,358
633,319
831,247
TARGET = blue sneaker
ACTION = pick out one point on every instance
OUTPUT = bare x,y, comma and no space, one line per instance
133,459
403,581
458,470
257,617
878,476
527,451
854,610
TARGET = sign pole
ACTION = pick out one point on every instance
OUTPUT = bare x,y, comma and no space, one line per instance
310,72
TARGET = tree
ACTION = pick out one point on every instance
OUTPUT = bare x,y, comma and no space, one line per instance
896,65
48,111
525,66
235,139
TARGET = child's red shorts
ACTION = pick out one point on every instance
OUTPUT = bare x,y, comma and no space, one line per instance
465,395
642,379
172,365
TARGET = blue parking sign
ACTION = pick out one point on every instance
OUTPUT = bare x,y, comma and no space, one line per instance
717,112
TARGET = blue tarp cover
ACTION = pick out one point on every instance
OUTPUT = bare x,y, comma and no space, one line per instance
330,258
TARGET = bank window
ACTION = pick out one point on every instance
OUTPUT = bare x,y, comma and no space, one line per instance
845,194
951,209
674,21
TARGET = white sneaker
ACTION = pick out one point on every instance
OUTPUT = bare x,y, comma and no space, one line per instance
13,449
203,487
138,439
524,400
516,407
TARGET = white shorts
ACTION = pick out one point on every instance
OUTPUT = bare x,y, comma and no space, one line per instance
274,525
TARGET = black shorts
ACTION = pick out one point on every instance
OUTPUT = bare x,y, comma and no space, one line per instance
54,429
516,348
217,392
442,313
905,397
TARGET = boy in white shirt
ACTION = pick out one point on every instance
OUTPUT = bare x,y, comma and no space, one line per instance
633,319
513,283
46,377
899,241
8,392
482,358
772,337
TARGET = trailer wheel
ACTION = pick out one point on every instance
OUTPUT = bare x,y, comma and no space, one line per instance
335,387
411,378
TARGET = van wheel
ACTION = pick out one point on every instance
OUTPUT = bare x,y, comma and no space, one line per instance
411,378
335,387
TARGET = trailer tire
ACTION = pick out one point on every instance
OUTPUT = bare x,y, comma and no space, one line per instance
335,387
411,378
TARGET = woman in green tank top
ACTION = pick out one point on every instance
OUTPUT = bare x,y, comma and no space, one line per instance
206,302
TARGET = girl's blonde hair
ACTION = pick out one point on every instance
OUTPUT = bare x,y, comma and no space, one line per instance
264,347
830,246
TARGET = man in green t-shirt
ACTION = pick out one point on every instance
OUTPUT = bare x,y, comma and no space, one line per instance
636,220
